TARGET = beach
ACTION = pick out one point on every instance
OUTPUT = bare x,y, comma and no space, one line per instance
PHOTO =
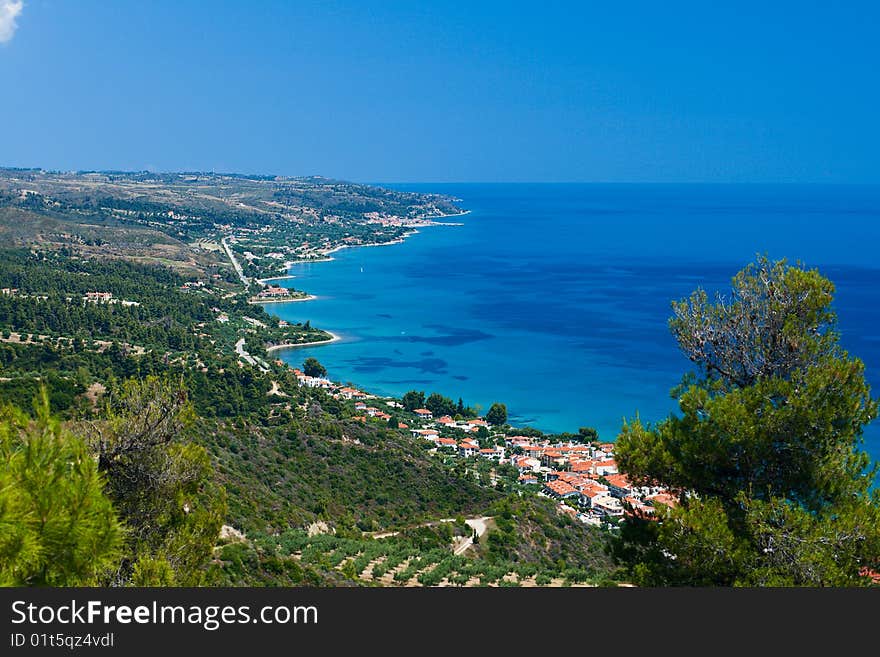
280,347
539,302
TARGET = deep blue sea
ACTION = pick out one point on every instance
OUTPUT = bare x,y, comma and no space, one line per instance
554,298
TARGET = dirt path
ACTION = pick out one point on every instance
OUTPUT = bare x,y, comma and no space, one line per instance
479,525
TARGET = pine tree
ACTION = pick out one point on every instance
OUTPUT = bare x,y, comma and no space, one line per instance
773,488
57,526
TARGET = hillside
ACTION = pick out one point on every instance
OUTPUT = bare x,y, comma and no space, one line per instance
180,219
118,298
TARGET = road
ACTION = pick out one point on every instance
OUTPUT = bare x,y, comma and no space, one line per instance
242,352
479,525
238,270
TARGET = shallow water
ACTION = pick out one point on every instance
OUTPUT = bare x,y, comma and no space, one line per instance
554,298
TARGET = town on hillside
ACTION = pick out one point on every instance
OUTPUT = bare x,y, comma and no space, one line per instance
581,476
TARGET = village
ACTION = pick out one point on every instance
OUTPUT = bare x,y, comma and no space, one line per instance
582,477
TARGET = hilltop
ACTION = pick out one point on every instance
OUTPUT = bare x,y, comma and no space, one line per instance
180,219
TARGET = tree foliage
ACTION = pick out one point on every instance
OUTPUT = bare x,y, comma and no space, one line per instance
765,456
160,482
440,405
497,414
413,400
57,525
312,367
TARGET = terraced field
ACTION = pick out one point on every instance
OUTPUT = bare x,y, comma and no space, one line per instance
394,562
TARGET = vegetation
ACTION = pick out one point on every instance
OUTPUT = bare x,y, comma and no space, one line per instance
57,525
497,414
311,367
420,556
122,311
773,489
160,482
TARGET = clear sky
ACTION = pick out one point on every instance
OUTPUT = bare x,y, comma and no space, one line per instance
769,91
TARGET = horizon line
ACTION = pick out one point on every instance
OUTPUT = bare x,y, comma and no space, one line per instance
439,182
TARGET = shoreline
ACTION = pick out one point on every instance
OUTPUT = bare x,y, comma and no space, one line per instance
310,297
278,347
326,258
264,281
325,255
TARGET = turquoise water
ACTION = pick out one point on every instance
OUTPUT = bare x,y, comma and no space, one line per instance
554,298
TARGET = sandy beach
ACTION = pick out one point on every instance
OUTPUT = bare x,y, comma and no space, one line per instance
310,297
287,265
278,347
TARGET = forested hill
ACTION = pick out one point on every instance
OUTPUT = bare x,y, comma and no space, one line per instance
131,345
178,219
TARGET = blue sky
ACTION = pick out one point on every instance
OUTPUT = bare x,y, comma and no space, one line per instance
446,91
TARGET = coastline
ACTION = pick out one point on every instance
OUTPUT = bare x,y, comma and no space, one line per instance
325,256
264,281
310,297
279,347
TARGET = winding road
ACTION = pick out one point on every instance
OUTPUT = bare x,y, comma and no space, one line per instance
480,525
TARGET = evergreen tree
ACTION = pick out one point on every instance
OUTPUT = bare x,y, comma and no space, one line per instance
413,400
161,483
497,414
773,488
57,526
311,367
439,405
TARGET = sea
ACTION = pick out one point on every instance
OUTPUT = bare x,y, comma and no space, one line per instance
555,298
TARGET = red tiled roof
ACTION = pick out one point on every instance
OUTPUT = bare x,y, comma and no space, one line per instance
664,498
619,480
560,487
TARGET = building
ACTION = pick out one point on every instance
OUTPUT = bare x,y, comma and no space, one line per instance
98,297
273,292
619,486
607,506
560,490
467,449
427,434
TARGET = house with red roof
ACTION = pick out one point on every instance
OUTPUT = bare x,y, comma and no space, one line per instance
619,485
664,498
559,490
525,463
467,449
591,491
427,434
582,467
606,467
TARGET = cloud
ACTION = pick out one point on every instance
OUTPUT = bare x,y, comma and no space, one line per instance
10,10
